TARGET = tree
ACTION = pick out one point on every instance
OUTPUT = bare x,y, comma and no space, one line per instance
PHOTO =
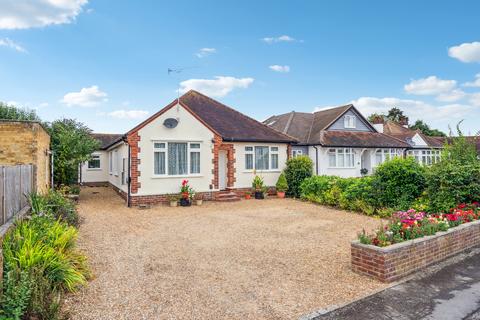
9,112
396,115
71,144
426,130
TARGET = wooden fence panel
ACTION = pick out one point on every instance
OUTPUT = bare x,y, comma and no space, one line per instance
17,183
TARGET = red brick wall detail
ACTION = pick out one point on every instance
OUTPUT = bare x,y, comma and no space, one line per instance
228,147
133,140
397,261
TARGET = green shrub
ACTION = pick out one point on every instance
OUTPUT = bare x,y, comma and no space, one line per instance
55,204
40,261
315,188
456,177
399,182
282,184
297,170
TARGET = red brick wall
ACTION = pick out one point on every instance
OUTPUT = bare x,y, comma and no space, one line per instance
133,140
394,262
228,147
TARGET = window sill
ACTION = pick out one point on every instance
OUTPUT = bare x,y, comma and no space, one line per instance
341,167
177,176
262,171
94,169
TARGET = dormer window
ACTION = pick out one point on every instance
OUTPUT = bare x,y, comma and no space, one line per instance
350,122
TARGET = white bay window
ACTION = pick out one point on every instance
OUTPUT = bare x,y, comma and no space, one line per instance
261,158
341,158
382,155
176,158
425,157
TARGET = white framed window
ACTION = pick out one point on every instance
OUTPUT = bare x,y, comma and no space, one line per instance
94,163
350,121
425,157
124,171
262,158
115,162
176,158
341,158
297,153
249,158
382,155
274,158
110,162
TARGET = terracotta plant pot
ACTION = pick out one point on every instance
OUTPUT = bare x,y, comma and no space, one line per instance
281,194
248,196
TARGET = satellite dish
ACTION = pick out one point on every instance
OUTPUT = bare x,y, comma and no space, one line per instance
170,123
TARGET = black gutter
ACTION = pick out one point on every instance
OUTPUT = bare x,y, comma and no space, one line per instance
257,140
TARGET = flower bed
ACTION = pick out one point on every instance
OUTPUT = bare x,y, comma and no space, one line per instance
408,225
413,240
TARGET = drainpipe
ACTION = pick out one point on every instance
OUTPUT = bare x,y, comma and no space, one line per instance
51,169
316,160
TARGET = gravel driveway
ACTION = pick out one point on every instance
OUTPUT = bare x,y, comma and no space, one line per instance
271,259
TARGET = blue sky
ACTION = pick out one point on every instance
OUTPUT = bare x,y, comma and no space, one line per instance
105,62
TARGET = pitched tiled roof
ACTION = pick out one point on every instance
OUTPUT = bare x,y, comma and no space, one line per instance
311,129
359,139
106,139
301,125
230,124
405,134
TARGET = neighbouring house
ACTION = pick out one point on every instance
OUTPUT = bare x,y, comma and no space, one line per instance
425,149
95,172
196,138
340,141
27,142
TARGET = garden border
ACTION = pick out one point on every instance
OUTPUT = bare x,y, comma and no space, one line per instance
396,261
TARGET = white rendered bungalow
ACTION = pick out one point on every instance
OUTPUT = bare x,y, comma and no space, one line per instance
196,138
340,141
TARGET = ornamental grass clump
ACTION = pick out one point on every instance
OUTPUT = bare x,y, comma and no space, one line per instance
412,224
41,262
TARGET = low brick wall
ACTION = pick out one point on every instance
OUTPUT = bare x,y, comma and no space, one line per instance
391,263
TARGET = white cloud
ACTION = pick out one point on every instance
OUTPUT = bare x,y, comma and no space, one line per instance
466,52
218,87
278,68
283,38
451,96
429,86
475,99
17,14
128,114
474,83
87,97
204,52
6,42
414,109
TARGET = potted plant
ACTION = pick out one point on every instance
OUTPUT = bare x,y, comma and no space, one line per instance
364,171
281,186
185,190
173,199
199,200
248,195
257,185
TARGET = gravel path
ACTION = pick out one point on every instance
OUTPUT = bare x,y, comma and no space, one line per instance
271,259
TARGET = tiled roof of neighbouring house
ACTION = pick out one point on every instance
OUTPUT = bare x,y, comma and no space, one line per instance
230,124
106,139
405,134
311,129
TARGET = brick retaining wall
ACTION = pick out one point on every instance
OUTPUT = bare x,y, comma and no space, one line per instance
391,263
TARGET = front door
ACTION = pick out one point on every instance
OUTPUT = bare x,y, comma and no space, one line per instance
222,169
